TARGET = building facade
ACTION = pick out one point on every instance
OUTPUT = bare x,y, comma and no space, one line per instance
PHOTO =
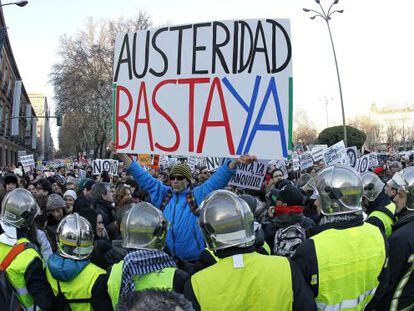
17,117
41,108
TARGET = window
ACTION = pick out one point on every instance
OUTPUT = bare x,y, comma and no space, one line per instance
6,69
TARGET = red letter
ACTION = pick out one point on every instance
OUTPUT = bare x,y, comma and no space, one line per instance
166,116
207,123
146,120
122,118
191,83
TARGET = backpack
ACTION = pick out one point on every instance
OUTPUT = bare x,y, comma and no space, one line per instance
190,199
8,295
288,239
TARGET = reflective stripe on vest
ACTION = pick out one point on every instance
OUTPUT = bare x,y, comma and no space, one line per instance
245,282
17,269
401,285
78,288
114,282
385,217
163,279
349,263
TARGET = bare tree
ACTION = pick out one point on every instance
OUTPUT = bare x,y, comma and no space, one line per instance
371,129
82,82
303,131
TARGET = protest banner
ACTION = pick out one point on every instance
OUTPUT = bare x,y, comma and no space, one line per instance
250,176
27,162
352,153
317,152
306,160
108,165
335,154
373,160
213,89
212,163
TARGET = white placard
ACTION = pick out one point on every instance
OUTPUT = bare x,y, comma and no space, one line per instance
363,164
109,165
295,161
27,162
317,152
212,163
250,176
306,160
373,160
352,153
212,89
335,154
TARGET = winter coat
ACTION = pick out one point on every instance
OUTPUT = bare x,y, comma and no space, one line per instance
105,209
184,238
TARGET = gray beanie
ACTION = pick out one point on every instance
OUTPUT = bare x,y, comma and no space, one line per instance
55,201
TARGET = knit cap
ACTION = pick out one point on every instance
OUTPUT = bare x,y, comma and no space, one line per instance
70,193
183,170
55,201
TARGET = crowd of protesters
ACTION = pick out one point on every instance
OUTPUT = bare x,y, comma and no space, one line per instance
176,239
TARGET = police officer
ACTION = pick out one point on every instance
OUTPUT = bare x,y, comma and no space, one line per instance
378,206
145,266
25,272
345,259
400,294
74,279
242,279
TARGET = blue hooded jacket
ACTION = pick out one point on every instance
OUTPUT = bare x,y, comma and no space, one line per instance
184,237
65,269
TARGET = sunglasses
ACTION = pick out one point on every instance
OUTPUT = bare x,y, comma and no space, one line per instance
178,177
277,176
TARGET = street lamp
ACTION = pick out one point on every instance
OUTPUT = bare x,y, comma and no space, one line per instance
327,17
18,3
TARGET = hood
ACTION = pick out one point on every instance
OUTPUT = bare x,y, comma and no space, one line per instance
65,269
404,217
380,201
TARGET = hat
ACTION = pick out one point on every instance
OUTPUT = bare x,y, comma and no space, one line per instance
183,170
70,193
10,179
55,201
289,194
86,183
378,170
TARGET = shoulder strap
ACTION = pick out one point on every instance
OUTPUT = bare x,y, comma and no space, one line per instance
167,197
74,300
14,252
192,203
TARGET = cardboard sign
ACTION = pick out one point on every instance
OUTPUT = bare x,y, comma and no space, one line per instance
214,89
295,162
317,152
306,160
212,163
352,154
335,154
27,162
280,164
250,176
108,165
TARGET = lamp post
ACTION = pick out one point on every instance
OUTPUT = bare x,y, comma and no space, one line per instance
326,16
18,3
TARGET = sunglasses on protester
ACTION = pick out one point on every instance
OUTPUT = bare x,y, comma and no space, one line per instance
178,177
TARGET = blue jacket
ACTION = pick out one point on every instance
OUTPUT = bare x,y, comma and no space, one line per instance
184,237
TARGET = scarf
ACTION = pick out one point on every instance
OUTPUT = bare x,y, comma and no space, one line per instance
141,262
283,210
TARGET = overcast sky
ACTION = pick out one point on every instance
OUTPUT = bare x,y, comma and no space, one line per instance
373,41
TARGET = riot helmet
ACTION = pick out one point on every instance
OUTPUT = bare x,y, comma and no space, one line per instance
372,184
404,180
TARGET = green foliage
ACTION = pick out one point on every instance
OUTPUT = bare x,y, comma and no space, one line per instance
332,135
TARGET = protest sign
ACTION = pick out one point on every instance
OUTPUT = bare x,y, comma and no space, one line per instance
250,176
373,160
82,174
108,165
317,152
212,163
27,162
295,162
363,164
335,154
144,159
192,161
214,89
352,154
281,165
306,160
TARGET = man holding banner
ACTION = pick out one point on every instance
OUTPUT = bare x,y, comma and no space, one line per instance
180,201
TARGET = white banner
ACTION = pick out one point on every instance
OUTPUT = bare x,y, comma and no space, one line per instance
306,160
250,176
295,161
352,153
213,89
212,163
16,107
109,165
27,162
335,154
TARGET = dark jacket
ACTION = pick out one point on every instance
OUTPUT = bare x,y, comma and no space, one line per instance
302,295
36,281
306,258
104,208
379,204
401,262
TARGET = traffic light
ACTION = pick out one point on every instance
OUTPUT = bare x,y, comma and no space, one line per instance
59,120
